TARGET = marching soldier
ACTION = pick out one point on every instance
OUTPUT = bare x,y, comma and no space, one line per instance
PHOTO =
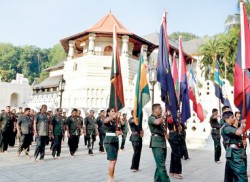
73,132
80,124
224,109
175,143
85,136
215,132
235,169
41,129
111,141
101,130
90,131
8,121
24,132
184,151
136,139
57,132
158,142
12,139
124,129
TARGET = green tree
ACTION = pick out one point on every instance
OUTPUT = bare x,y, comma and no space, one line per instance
185,36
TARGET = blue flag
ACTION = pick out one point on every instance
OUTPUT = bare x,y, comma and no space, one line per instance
164,76
218,83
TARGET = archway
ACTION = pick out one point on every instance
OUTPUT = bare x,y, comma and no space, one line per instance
14,100
108,51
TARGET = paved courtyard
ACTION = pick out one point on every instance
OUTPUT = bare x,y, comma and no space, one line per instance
83,167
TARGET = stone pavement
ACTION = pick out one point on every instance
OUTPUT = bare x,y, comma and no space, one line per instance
83,167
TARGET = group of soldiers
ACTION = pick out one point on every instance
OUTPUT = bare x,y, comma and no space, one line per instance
232,129
44,127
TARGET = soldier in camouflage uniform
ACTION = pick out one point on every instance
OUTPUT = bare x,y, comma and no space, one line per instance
41,130
7,119
24,132
57,132
101,129
72,132
91,131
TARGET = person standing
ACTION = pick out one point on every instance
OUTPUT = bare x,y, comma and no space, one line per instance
13,126
7,119
85,136
158,142
235,168
41,129
57,132
24,132
111,141
80,124
90,131
124,129
101,130
175,143
136,139
215,132
73,132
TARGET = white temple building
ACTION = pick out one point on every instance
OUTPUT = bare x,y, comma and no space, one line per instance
15,93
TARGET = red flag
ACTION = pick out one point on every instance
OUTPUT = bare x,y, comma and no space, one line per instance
241,74
197,107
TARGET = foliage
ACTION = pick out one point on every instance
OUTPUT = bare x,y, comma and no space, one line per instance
28,60
185,36
223,48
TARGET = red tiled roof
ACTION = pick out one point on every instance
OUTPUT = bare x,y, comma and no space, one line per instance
105,25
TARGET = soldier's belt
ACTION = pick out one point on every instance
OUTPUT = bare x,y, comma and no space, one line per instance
215,128
234,146
157,135
110,134
134,133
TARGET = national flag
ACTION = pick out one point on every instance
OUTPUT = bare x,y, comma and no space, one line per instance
142,95
184,95
165,29
241,73
175,74
197,107
116,99
218,83
164,76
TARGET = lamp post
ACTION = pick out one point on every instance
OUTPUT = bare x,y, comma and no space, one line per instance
61,90
152,79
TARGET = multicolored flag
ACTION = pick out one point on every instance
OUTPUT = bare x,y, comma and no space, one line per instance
197,107
184,93
142,95
218,83
164,75
116,99
241,71
175,74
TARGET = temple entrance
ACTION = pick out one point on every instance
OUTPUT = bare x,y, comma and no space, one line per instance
14,100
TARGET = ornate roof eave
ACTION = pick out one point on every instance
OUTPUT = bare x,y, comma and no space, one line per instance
65,41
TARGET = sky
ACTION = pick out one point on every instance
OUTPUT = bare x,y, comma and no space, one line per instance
44,23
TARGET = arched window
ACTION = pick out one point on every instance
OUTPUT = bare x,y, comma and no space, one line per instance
108,51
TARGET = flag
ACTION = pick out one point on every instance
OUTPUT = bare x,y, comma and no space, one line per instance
218,83
241,74
116,99
164,76
142,95
165,29
175,74
197,107
184,95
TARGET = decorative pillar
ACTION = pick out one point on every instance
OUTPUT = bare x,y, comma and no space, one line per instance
92,37
83,45
71,49
125,40
144,49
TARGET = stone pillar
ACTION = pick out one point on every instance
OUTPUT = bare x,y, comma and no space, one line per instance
71,49
91,43
83,45
125,40
144,49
